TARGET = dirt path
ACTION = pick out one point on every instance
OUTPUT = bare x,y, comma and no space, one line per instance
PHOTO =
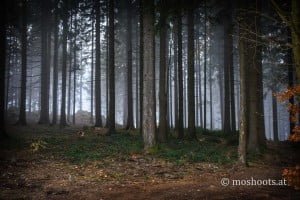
27,175
37,178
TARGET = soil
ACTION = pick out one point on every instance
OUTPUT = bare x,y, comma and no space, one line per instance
26,175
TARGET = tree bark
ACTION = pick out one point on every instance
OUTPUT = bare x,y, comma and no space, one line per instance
149,124
175,39
295,28
44,112
205,66
229,35
191,79
228,62
291,71
243,134
107,65
141,48
111,117
163,86
63,120
210,93
256,112
137,100
200,85
92,70
69,71
22,116
74,68
129,69
180,76
2,67
55,67
275,118
98,116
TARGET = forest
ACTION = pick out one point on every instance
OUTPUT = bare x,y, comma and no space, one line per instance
149,99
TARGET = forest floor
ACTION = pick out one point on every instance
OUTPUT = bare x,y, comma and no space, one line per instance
42,162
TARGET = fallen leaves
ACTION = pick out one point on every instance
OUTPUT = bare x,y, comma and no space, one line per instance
292,175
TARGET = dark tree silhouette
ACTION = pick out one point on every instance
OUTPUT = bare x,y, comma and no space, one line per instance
228,64
111,38
163,84
191,79
55,65
45,75
98,68
149,125
180,75
63,120
22,116
129,67
141,48
3,18
92,70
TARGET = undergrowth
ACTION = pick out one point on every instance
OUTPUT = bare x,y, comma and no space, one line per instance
210,146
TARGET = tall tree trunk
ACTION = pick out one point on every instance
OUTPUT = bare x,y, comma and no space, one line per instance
69,85
141,48
170,95
228,62
30,92
210,93
55,67
191,79
205,67
163,86
175,39
185,97
107,65
111,117
74,68
92,71
44,111
98,68
251,110
245,62
74,94
221,81
70,71
2,67
129,68
197,79
275,117
9,63
238,104
289,62
81,83
22,116
256,113
260,129
137,100
295,16
63,120
228,26
243,134
180,76
149,124
200,85
232,99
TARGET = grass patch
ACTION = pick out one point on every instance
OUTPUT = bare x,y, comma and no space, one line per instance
92,147
211,146
195,151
